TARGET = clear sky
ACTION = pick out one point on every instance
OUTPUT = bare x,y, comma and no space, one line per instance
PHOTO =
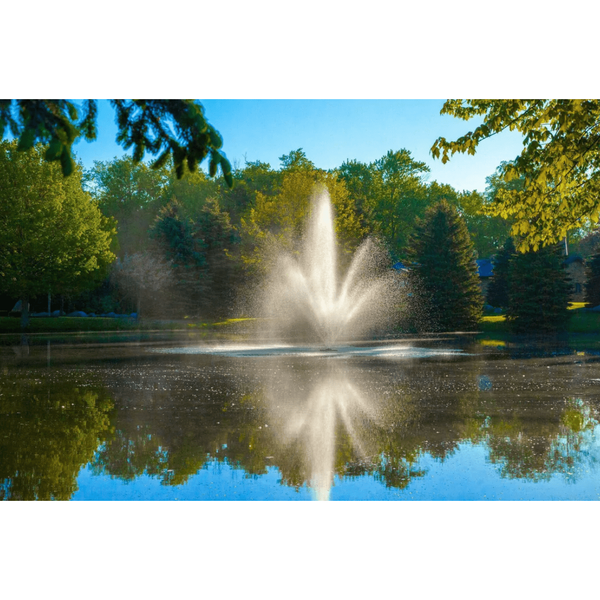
332,131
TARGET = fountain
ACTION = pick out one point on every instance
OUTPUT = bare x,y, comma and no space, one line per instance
305,299
305,306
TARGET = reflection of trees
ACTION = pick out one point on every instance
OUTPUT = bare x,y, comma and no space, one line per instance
173,433
538,450
315,420
48,433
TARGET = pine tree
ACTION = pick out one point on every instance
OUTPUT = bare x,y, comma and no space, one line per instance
539,291
444,272
497,293
592,287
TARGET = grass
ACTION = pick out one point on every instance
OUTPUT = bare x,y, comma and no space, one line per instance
581,322
91,324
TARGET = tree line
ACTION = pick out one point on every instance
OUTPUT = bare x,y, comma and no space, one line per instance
127,236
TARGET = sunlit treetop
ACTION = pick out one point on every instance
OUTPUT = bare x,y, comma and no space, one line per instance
166,129
559,164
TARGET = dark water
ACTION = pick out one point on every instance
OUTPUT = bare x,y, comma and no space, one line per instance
449,418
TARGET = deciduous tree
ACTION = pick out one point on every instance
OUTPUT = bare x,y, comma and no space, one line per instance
53,235
559,164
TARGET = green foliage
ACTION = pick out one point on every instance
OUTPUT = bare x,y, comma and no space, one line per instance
132,194
444,272
53,236
539,291
199,249
176,130
296,160
498,289
278,221
559,165
389,194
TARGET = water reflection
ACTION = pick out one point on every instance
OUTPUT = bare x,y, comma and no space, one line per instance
315,424
48,433
324,417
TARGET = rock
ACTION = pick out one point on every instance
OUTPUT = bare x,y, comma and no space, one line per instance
112,315
133,315
498,311
57,313
488,307
596,308
77,313
41,314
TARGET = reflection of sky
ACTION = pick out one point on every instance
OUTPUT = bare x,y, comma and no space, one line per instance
465,475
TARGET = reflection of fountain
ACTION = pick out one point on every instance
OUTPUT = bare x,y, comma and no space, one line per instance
310,413
306,298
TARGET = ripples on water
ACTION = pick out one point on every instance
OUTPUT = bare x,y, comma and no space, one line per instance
390,421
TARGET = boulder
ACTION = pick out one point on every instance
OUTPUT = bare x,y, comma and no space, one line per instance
41,314
112,315
77,313
57,313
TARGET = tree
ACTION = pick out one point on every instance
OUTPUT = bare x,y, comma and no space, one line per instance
173,129
443,270
296,160
559,165
390,193
53,235
277,222
592,287
131,193
539,291
199,250
498,290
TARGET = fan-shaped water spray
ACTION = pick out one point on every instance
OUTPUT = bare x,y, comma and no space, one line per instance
306,297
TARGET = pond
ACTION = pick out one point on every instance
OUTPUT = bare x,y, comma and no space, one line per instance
177,417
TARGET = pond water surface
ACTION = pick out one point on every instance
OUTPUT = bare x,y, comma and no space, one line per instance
167,417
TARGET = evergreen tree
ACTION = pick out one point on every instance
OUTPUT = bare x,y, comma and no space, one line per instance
539,291
497,293
213,227
592,287
199,249
444,272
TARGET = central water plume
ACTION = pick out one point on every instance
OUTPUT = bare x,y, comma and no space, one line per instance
306,297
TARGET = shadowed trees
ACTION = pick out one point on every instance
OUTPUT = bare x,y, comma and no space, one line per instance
443,271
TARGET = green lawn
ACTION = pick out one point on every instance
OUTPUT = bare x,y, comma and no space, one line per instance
581,321
74,324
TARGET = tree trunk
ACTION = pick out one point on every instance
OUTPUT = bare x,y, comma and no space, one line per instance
24,312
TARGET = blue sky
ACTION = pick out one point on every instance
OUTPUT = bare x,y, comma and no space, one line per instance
332,131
